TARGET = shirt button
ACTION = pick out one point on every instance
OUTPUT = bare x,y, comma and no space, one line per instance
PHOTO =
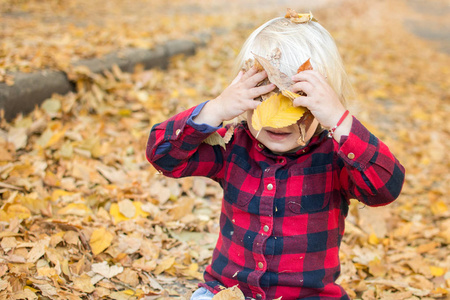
270,186
260,265
258,296
351,155
260,146
266,228
178,131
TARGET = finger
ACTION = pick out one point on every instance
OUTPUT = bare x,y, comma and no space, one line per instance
250,105
261,90
302,101
309,75
303,86
238,77
255,79
249,73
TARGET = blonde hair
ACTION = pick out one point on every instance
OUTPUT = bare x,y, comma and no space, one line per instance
298,43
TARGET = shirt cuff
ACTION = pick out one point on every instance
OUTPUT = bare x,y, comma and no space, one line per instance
203,128
359,147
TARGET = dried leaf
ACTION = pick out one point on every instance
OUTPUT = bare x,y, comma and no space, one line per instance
105,270
127,208
281,80
305,66
77,209
117,216
83,284
100,240
232,293
276,112
215,139
299,18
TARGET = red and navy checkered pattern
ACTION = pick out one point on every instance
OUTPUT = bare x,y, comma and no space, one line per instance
282,217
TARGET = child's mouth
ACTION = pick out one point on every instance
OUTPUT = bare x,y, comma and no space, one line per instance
277,135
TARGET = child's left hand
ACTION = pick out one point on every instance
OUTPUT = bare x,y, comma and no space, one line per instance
321,99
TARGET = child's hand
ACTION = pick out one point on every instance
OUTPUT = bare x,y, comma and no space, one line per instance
236,99
321,99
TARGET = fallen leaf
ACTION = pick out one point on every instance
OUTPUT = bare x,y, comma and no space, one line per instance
232,293
127,208
117,216
100,240
83,283
77,209
105,270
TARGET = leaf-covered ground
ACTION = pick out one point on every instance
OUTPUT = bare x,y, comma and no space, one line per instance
84,216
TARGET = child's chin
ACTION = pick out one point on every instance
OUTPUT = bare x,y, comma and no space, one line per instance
278,149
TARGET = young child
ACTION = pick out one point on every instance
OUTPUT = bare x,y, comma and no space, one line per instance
284,203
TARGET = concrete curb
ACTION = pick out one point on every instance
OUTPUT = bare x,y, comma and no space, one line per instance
31,89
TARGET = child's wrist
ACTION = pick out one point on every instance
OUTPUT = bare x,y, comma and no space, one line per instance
343,129
209,115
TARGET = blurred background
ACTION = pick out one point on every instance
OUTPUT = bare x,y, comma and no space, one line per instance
84,216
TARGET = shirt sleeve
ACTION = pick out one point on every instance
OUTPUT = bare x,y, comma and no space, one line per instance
204,128
371,173
175,147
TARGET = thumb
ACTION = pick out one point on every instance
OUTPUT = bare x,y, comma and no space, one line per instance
238,77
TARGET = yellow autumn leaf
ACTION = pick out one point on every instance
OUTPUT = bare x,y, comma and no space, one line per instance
164,265
77,209
56,137
438,208
18,211
56,194
100,240
276,112
118,216
289,94
437,271
373,239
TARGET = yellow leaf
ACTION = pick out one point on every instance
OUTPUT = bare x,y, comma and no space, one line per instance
60,193
100,240
373,239
4,217
56,137
276,112
77,209
164,265
437,271
18,211
118,216
47,272
438,208
290,95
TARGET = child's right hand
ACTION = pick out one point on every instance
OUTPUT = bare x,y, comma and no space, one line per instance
236,99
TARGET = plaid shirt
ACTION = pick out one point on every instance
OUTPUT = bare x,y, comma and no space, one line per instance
282,217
